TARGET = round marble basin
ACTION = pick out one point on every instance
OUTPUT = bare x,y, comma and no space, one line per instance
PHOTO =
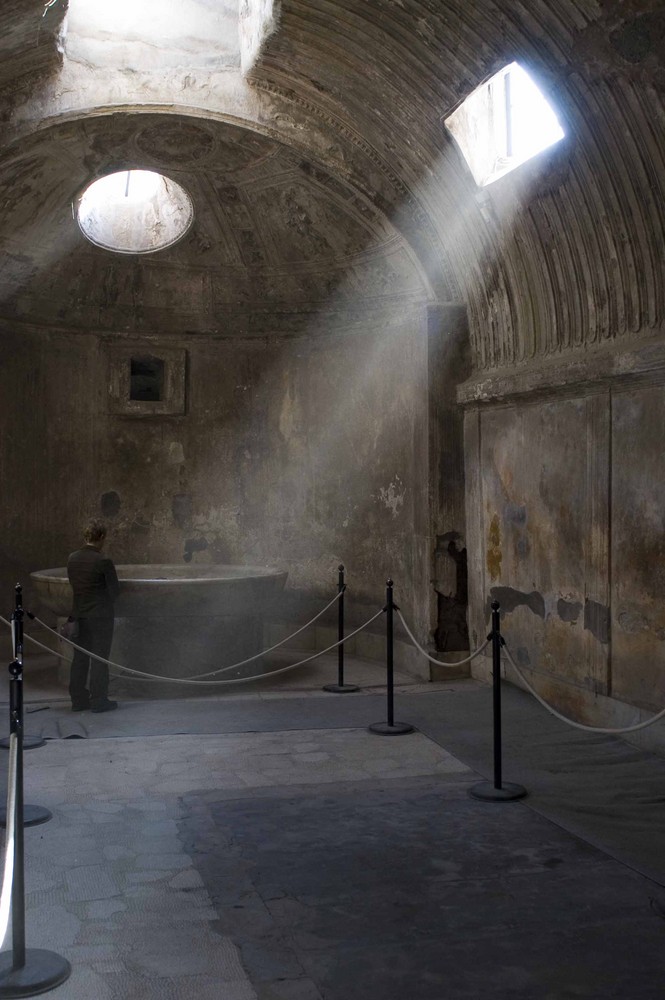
176,621
161,589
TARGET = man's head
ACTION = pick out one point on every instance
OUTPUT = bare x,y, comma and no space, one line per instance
94,533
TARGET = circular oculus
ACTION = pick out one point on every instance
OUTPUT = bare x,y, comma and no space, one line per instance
134,211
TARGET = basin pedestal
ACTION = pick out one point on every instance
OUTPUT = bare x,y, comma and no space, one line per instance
182,647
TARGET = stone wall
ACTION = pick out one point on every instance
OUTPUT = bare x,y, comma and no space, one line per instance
301,453
565,519
559,265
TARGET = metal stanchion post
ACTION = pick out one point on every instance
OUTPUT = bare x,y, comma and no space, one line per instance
390,727
499,790
32,815
340,687
29,742
23,972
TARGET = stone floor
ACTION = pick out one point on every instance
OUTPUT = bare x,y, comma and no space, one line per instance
262,844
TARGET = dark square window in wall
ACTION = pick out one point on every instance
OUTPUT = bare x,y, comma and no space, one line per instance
146,378
145,384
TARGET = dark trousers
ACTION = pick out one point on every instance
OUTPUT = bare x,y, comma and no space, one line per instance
95,635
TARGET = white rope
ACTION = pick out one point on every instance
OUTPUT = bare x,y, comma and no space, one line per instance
194,681
10,825
441,663
580,725
282,642
242,680
212,673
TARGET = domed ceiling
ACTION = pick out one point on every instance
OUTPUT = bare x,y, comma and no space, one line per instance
272,234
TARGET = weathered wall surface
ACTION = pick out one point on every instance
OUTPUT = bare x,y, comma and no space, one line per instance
301,454
638,546
559,266
277,246
565,516
449,364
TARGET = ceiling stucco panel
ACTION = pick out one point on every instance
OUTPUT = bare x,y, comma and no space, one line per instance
269,229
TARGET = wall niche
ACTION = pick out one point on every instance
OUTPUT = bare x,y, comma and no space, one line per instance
146,380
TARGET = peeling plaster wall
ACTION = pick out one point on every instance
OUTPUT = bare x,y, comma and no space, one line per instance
559,265
565,513
449,364
300,454
638,546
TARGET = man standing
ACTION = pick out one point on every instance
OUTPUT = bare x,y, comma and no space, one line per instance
95,584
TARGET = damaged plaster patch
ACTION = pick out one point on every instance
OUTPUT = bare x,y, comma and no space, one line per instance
597,620
176,453
494,554
632,622
182,507
110,504
510,599
568,611
194,545
641,37
287,420
523,657
392,498
350,511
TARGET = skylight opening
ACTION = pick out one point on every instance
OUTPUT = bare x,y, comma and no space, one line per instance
143,36
504,123
134,211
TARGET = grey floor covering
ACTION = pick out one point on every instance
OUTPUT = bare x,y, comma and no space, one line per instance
407,887
416,890
597,786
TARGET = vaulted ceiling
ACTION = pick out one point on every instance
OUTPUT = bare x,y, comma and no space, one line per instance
270,232
324,180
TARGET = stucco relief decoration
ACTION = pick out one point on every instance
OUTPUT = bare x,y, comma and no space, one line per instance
181,143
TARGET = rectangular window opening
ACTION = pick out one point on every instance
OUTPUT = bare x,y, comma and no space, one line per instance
146,379
503,123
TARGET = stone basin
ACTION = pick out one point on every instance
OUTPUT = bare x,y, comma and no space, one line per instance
162,589
174,620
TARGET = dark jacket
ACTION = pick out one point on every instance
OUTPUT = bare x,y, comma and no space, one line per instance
94,582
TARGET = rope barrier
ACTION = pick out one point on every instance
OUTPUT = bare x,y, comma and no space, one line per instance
580,725
201,679
220,670
211,673
8,868
441,663
193,680
24,972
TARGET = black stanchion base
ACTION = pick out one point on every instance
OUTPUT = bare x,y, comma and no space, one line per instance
43,971
486,790
340,688
396,729
32,816
29,742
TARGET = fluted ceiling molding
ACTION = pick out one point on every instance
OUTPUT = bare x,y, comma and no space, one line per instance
568,251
